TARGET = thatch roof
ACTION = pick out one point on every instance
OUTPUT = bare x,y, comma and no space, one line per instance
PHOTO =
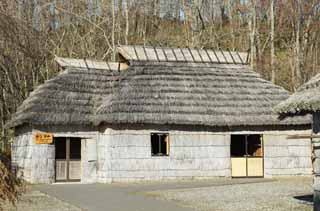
165,54
194,94
70,98
305,100
154,92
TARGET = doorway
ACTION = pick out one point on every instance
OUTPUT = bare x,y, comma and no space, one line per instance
68,159
246,155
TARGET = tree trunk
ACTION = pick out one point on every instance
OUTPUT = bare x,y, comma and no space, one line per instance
252,28
297,46
230,12
273,71
127,22
113,57
3,137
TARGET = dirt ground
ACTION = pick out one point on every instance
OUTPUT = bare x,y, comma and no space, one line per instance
280,194
284,194
34,200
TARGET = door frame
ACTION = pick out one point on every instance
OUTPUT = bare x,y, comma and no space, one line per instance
67,160
248,157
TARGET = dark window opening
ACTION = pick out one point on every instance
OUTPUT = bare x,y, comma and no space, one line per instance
246,146
254,147
61,149
61,145
75,148
238,145
160,144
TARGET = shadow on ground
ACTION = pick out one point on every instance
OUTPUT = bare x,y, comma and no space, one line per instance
308,199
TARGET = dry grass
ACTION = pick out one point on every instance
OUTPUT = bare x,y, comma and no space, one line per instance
11,187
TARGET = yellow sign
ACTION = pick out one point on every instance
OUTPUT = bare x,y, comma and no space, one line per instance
43,138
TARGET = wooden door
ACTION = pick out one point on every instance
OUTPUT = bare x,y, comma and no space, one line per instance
239,167
255,167
68,159
246,156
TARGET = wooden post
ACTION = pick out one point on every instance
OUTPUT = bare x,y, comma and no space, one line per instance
68,156
316,161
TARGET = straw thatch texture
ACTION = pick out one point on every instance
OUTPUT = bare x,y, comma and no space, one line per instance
69,98
165,54
193,94
181,93
305,100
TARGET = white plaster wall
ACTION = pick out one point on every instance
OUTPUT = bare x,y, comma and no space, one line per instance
89,161
104,159
127,155
36,162
192,155
33,162
285,156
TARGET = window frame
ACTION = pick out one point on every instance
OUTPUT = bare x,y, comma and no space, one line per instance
246,146
159,144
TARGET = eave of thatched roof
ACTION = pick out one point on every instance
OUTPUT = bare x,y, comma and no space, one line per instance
194,94
69,98
305,100
166,54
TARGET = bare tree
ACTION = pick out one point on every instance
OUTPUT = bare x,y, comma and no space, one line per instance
252,28
272,55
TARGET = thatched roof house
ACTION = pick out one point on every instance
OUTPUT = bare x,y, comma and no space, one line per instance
162,91
179,112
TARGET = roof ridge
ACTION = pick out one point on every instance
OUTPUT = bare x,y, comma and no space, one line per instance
89,64
172,54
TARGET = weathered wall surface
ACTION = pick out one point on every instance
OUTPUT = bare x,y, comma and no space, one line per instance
283,156
34,162
127,156
89,160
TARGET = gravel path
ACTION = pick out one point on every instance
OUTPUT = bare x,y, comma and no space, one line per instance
285,194
34,200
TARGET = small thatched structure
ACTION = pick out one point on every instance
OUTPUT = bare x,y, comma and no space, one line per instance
160,113
305,99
